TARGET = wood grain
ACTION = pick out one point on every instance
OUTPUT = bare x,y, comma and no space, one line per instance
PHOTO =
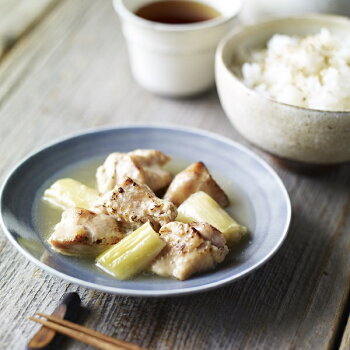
18,17
72,73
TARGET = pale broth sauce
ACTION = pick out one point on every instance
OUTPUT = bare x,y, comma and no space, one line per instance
48,216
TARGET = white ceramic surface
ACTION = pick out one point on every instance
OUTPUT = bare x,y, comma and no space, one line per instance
287,131
174,59
255,10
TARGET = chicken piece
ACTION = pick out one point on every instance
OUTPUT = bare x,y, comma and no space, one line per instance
144,166
195,178
191,248
133,204
82,232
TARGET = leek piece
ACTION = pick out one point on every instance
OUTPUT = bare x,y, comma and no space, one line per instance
133,254
200,207
69,193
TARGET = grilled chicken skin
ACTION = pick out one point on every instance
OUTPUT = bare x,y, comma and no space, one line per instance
195,178
133,204
83,232
191,248
144,166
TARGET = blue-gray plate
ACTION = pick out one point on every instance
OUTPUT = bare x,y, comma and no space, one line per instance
259,201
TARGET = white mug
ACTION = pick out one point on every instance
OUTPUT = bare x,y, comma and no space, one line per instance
174,59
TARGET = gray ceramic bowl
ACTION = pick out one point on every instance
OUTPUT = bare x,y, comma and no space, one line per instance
260,201
290,132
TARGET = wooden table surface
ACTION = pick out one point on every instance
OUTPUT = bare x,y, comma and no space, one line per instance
70,72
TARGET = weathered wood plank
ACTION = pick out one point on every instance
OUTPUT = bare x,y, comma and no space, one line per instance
18,17
72,73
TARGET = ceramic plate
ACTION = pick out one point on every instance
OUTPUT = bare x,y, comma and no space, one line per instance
259,201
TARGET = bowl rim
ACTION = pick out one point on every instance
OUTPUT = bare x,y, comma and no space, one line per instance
150,293
125,13
258,26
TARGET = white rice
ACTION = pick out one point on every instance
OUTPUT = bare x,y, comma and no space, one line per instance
311,71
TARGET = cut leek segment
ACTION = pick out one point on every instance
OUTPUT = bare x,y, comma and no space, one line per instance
133,254
200,207
69,193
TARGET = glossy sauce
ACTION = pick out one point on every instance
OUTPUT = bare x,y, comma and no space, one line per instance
177,12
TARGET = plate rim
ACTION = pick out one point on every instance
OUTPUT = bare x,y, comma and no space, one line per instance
158,292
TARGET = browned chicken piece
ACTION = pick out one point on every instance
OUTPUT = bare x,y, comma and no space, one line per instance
191,248
195,178
133,204
144,166
84,233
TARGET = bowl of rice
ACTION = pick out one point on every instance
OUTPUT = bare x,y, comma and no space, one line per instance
285,86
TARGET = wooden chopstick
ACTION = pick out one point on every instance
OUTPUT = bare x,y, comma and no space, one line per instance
85,338
84,334
77,327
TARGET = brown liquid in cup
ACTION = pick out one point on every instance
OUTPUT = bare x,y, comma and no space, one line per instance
177,12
